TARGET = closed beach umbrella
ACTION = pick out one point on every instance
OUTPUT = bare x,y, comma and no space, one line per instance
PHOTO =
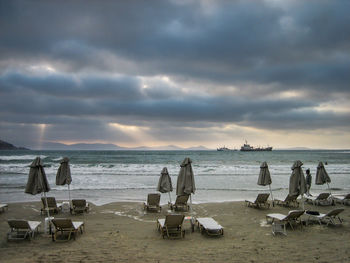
322,176
265,177
63,175
185,180
37,182
297,183
164,183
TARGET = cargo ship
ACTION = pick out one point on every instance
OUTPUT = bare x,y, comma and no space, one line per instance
247,148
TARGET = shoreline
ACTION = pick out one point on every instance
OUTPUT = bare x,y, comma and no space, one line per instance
102,197
123,232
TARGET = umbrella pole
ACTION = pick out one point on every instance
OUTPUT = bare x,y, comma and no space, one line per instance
329,189
192,218
302,202
69,196
273,203
48,212
47,206
169,197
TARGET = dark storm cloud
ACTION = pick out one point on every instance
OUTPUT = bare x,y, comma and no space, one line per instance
225,44
48,100
108,59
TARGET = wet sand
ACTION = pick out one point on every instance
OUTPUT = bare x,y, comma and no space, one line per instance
123,232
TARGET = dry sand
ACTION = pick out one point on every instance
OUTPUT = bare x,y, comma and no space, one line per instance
122,232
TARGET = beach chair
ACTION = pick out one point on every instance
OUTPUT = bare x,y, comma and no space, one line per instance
152,204
210,226
3,207
261,200
171,226
53,206
329,218
79,206
321,199
280,221
22,229
289,201
180,203
66,225
342,199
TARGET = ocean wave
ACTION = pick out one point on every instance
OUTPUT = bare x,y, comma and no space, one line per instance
20,157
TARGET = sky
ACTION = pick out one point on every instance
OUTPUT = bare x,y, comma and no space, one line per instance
185,73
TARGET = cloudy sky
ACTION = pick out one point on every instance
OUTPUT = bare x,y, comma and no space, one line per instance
187,73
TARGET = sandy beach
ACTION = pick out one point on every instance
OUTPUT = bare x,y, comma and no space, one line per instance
123,232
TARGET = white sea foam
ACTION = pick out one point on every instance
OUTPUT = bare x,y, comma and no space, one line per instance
20,157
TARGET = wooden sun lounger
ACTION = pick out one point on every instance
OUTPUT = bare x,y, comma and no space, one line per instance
66,225
210,226
53,206
152,204
261,200
180,203
289,201
171,226
22,229
79,206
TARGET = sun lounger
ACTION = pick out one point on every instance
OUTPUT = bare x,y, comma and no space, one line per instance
66,225
329,218
171,226
289,201
280,220
152,204
321,199
22,229
210,226
180,203
53,206
79,206
261,200
343,199
3,207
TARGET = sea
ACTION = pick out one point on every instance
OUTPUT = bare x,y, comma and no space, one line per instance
111,176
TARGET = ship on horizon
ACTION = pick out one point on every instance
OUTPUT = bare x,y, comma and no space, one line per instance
248,148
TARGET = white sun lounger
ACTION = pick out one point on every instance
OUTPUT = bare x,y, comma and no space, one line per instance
210,226
343,199
3,206
321,199
329,218
280,221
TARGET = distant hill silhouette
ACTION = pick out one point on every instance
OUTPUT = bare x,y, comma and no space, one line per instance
8,146
113,147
